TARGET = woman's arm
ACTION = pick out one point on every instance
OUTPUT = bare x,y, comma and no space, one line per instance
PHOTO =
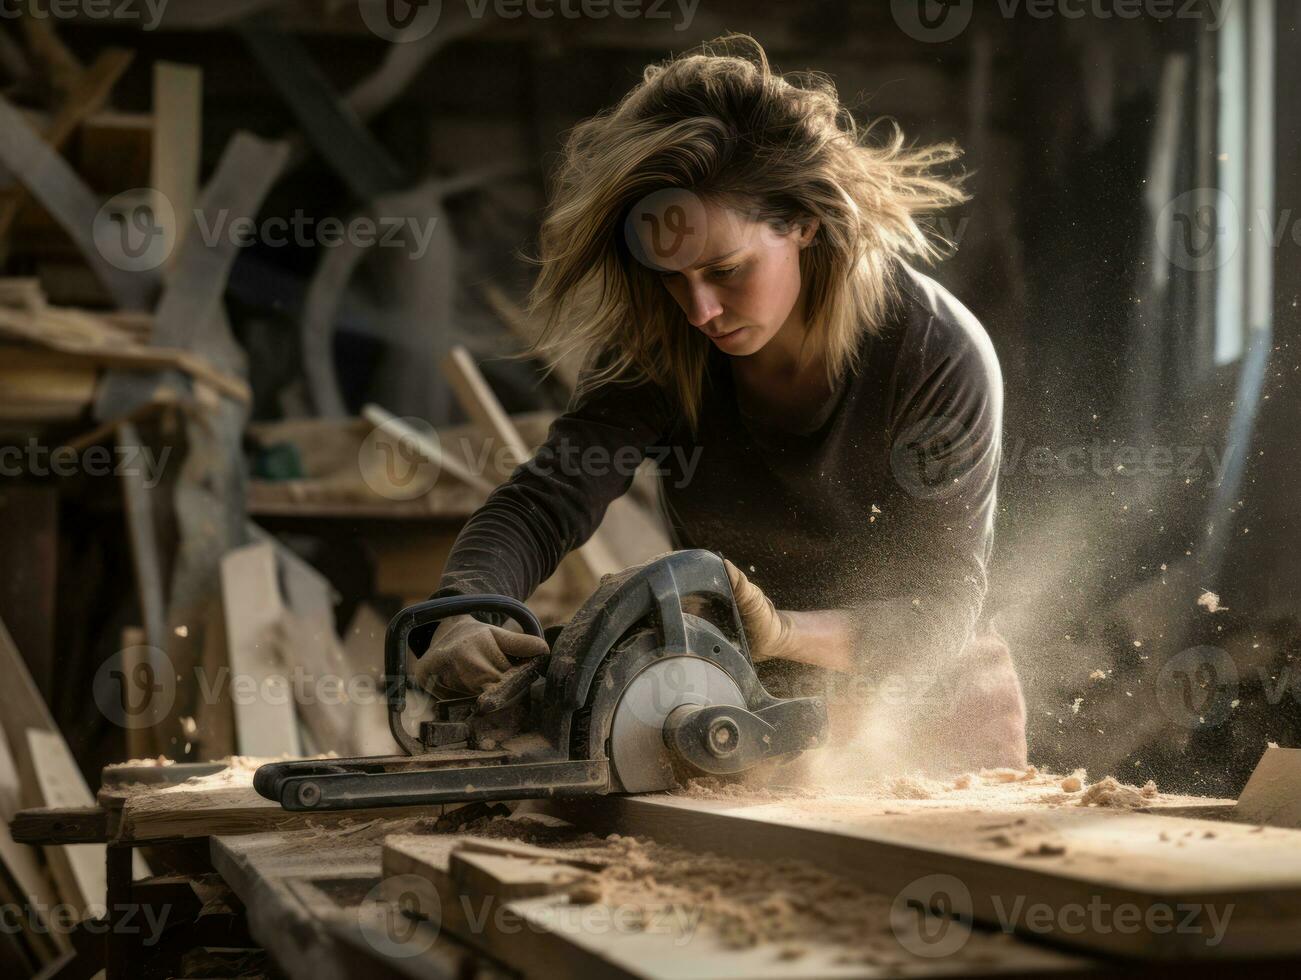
556,500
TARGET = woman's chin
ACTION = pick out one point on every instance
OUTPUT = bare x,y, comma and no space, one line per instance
738,343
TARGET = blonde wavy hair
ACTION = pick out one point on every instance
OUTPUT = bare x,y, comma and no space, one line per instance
718,122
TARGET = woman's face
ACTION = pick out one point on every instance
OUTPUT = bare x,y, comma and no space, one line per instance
736,280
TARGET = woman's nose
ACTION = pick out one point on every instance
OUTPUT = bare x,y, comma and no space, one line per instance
702,306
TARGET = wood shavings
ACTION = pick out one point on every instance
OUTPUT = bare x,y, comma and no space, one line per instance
1073,783
1009,775
787,904
1109,792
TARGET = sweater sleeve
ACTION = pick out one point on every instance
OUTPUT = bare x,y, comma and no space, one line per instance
946,418
556,500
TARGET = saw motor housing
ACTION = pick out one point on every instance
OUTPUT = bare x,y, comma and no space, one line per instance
651,683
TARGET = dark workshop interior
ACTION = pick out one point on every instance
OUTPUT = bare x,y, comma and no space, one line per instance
280,282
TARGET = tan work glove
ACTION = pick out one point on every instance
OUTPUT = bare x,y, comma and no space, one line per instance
468,656
768,629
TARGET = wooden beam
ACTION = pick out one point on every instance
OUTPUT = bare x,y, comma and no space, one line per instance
89,93
60,825
407,436
482,406
1273,793
52,181
178,143
79,869
265,721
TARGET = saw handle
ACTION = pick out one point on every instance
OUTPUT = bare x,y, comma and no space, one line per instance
422,614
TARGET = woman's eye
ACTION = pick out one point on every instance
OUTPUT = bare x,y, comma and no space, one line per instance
724,273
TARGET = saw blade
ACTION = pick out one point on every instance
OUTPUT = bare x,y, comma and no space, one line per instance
640,759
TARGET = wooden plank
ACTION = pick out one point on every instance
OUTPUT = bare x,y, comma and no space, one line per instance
142,534
550,935
52,181
265,722
482,406
506,877
88,94
61,825
226,803
1273,793
28,886
315,648
44,386
79,869
95,342
1245,882
363,646
326,923
21,709
233,812
177,145
410,441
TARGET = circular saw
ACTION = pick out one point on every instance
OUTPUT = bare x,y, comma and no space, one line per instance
649,685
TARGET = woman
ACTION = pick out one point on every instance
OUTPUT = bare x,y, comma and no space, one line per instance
729,253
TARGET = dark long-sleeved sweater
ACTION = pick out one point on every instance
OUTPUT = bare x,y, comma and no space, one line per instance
883,507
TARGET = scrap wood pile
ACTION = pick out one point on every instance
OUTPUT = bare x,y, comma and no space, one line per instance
52,888
116,332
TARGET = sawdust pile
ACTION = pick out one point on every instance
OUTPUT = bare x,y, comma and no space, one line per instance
992,788
1110,793
747,903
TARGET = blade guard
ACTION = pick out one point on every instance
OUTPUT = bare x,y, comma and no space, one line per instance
647,594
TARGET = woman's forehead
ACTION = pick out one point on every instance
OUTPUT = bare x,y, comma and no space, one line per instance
677,230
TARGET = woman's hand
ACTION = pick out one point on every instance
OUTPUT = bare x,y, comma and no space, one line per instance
468,656
821,637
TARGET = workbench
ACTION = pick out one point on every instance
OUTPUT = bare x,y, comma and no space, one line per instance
317,893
